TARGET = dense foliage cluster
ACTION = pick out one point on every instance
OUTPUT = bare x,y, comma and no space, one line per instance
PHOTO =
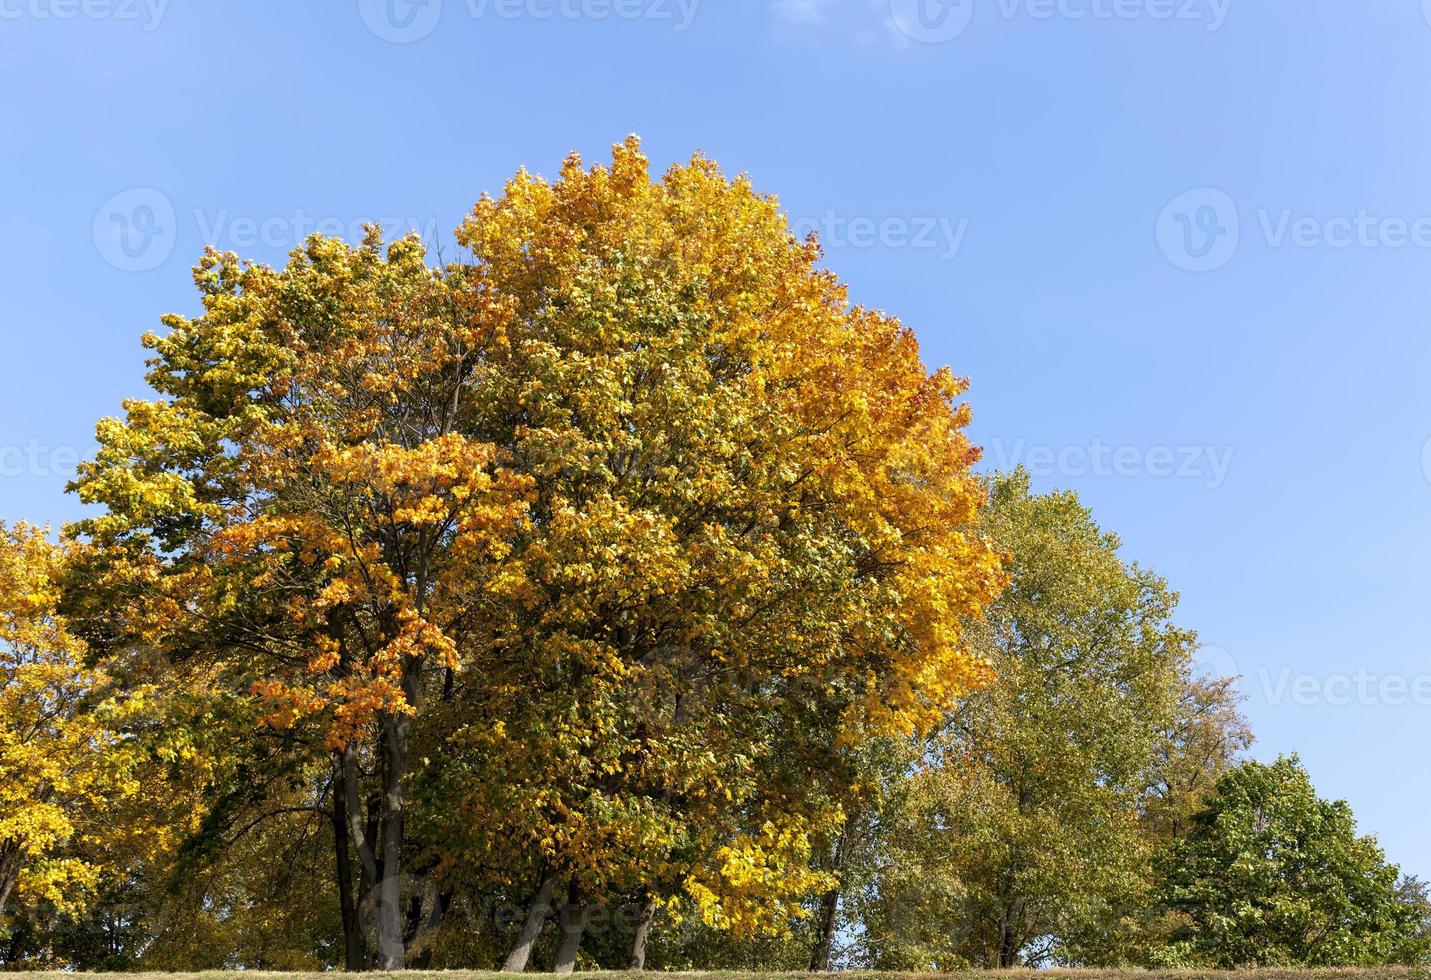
617,595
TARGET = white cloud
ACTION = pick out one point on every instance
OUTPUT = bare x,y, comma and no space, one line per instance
802,11
865,23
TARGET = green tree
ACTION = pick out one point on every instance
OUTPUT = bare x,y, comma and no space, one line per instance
1021,836
1272,875
1207,735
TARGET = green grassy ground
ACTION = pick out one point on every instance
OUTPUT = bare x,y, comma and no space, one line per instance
1387,973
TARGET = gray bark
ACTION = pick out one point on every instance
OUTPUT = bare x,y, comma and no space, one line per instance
573,927
536,917
9,871
354,946
7,885
825,943
820,958
392,952
361,832
643,935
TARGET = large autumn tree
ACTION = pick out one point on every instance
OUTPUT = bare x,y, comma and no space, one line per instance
752,527
304,513
599,540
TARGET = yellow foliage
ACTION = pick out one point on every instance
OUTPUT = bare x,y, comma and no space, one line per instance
62,763
661,517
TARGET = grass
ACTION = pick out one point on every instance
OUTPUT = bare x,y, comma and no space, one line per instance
1379,973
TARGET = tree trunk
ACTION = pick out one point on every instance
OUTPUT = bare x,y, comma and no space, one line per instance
9,872
643,933
364,831
423,945
829,911
573,926
392,954
355,953
1008,947
7,885
825,939
532,928
15,942
412,921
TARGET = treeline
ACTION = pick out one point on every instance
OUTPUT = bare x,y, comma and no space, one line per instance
616,596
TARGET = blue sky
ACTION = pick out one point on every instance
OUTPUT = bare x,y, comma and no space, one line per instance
1180,246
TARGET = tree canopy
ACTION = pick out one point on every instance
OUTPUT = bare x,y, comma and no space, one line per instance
615,522
615,594
1021,834
1270,874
